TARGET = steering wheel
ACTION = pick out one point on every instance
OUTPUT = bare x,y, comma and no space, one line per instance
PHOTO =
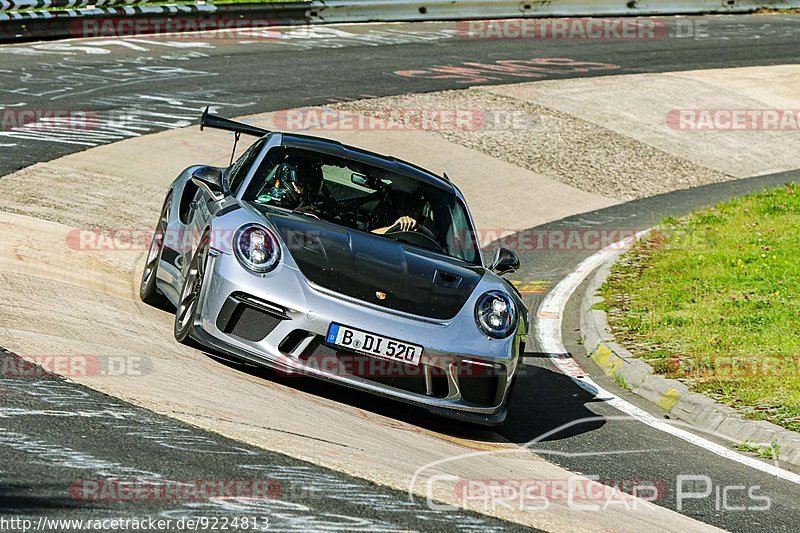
418,228
420,236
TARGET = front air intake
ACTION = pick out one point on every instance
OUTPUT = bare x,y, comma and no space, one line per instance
249,318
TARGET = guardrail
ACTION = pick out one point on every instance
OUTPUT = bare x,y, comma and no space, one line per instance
20,26
107,12
19,23
20,5
413,10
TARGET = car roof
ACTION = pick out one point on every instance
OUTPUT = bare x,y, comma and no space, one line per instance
332,147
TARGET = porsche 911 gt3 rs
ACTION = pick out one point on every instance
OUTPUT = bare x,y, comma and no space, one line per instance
312,257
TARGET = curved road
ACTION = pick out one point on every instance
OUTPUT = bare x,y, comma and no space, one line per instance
159,84
162,83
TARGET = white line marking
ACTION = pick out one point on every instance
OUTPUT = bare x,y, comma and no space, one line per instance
8,412
548,333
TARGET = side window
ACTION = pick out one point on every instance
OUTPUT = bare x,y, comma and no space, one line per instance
461,237
238,171
264,176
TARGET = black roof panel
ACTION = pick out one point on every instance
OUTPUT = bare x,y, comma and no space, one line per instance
332,147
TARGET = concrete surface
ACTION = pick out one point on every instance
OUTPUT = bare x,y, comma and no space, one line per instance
640,106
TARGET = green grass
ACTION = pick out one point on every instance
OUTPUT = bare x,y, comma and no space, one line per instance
712,299
765,452
748,448
619,379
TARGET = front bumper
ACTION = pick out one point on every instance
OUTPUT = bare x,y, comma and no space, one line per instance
280,320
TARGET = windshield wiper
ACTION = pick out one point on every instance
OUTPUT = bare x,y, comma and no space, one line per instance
287,210
306,213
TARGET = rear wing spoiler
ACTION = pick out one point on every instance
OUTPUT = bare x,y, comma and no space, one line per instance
212,121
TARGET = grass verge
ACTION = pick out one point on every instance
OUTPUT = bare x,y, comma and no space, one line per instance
711,299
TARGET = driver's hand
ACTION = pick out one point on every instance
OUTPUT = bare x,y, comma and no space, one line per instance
405,223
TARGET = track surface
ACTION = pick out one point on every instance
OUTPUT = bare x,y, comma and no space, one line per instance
163,84
601,442
59,438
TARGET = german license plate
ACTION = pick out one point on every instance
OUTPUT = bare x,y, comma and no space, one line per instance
372,344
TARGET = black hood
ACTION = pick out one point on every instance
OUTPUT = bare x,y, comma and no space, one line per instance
366,267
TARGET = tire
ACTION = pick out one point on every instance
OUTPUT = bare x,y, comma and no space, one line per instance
187,311
148,290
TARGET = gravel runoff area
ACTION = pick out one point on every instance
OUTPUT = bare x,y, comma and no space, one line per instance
543,140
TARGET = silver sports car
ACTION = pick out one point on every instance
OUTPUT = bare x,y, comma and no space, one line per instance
316,258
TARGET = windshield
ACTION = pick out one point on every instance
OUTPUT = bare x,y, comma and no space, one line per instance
366,198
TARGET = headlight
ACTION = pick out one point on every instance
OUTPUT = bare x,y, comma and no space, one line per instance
496,314
256,248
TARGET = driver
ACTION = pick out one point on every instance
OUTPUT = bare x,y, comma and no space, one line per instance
404,223
296,185
396,206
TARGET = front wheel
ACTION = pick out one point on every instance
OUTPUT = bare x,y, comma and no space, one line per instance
187,311
148,291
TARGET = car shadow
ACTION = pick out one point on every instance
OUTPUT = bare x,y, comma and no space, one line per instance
542,402
547,405
28,497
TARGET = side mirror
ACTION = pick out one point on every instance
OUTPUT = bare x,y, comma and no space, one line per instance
359,179
505,262
210,180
